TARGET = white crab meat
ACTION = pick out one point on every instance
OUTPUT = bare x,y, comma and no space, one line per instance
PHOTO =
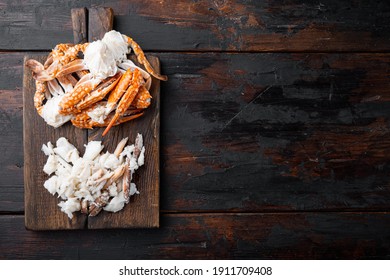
85,179
133,189
116,44
98,114
51,165
99,61
66,150
111,162
48,149
116,204
92,150
69,206
101,56
50,112
141,158
51,184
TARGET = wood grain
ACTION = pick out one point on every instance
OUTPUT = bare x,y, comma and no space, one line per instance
250,140
275,132
353,235
100,21
200,99
224,25
79,23
11,131
41,209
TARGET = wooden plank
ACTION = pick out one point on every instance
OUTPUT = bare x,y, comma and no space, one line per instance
79,23
11,131
100,21
212,236
275,131
328,25
41,210
143,211
245,167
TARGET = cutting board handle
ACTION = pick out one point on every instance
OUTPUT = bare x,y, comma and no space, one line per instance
99,20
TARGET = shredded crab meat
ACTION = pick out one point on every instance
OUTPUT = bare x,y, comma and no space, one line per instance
97,179
98,114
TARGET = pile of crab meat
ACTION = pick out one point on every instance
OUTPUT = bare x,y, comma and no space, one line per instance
93,84
96,181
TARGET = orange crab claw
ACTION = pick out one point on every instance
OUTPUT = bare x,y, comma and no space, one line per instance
100,92
126,100
70,99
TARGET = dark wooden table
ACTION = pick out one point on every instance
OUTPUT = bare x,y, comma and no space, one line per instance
275,137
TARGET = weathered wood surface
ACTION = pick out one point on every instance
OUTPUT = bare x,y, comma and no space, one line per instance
212,236
273,134
100,21
41,210
79,24
316,139
328,25
11,132
276,131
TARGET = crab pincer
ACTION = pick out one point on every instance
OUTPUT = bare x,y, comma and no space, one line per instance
126,100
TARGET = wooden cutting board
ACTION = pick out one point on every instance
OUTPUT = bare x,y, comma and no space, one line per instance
41,210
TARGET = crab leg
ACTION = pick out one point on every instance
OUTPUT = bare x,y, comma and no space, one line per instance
48,61
100,92
67,82
133,114
119,90
39,73
121,145
82,73
70,99
39,96
54,88
103,199
84,206
142,59
71,79
128,174
83,120
142,100
126,181
98,204
128,64
71,67
84,79
117,174
126,100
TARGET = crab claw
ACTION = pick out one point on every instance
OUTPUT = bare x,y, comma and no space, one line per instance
126,100
70,100
71,67
100,92
39,72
